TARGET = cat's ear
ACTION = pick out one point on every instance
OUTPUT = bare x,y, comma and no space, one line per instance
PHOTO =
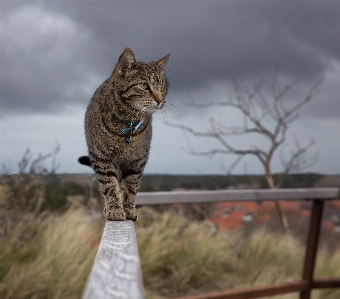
163,61
125,62
127,59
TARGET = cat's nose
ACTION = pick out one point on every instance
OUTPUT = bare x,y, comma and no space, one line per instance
158,98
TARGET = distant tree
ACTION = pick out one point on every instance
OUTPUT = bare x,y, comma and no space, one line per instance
270,118
26,191
35,166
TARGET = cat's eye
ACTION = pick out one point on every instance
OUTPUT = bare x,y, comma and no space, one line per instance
162,88
143,86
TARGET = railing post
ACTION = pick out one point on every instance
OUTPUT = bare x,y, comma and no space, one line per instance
311,246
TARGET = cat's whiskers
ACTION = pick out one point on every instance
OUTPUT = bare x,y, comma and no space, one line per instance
174,105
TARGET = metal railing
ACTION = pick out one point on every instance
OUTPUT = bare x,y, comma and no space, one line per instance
116,271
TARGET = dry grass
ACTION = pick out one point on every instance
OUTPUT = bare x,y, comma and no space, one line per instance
51,257
182,257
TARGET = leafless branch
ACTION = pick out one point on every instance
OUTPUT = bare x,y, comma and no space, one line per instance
229,170
304,101
35,165
222,130
228,149
298,160
25,160
213,104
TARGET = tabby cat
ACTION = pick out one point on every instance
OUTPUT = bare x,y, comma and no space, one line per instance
118,130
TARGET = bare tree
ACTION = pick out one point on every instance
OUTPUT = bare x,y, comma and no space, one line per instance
26,191
36,165
269,118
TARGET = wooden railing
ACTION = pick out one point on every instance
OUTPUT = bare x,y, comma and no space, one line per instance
116,271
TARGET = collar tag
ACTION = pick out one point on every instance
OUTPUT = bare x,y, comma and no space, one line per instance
133,125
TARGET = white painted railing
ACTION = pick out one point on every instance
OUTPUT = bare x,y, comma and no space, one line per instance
116,272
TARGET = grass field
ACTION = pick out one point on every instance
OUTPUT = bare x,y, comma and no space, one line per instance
50,256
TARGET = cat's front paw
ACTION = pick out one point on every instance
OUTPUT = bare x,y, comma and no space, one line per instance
115,215
131,214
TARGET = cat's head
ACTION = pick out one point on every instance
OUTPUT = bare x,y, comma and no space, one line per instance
140,87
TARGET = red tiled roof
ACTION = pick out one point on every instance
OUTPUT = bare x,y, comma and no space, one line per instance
228,215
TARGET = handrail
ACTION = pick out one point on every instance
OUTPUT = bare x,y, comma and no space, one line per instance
116,272
205,196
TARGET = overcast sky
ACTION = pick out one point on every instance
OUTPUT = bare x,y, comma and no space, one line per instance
54,54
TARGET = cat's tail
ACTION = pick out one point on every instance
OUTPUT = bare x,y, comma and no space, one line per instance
85,160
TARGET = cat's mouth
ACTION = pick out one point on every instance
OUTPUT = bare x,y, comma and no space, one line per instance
151,108
156,106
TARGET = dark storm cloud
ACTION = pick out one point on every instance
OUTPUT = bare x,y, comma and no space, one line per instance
209,41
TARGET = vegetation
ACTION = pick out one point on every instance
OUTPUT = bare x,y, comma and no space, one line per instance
182,257
50,228
49,257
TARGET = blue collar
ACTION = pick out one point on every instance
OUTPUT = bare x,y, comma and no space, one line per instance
133,125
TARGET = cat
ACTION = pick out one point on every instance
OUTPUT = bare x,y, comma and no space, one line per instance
118,130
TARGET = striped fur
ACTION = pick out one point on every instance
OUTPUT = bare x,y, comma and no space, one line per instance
134,91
